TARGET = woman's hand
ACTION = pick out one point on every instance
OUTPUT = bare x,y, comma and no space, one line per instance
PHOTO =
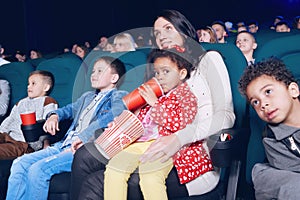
148,94
163,148
51,124
76,145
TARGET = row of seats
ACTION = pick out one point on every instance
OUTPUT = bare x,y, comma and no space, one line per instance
72,79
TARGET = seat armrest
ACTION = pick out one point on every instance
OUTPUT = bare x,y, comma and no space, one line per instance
233,147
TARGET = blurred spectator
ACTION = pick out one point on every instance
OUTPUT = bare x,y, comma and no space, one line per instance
20,56
282,26
239,24
207,34
81,51
277,19
2,57
242,28
253,26
140,41
66,50
109,47
102,43
296,22
4,96
34,54
124,42
220,30
87,44
74,47
229,27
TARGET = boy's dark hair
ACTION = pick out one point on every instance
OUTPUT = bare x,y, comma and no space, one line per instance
282,22
252,22
116,65
273,67
47,76
182,59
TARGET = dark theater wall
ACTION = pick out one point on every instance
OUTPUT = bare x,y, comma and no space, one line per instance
50,25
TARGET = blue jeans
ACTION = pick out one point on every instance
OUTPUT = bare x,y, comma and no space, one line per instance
31,173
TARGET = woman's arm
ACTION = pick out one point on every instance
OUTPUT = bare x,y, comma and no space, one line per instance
213,69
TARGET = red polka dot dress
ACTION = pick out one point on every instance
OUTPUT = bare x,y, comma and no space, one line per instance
172,112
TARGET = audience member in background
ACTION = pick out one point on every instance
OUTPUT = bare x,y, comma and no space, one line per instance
74,48
277,19
282,26
273,92
81,51
12,141
92,111
246,42
124,42
103,41
296,23
66,50
20,56
4,96
242,28
253,26
34,54
239,24
171,28
109,47
220,30
2,60
207,34
87,44
140,41
230,28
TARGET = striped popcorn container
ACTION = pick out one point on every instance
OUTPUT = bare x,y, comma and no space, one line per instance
126,129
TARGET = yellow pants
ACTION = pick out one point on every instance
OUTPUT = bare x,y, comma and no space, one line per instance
152,174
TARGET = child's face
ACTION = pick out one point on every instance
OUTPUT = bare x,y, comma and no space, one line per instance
205,36
245,43
168,74
102,77
121,45
37,87
273,100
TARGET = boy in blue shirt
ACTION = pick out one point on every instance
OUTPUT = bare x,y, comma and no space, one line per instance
92,111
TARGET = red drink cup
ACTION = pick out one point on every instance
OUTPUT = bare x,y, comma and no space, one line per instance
134,100
125,130
28,118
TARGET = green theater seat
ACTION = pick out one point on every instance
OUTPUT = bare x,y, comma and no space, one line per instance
16,73
64,70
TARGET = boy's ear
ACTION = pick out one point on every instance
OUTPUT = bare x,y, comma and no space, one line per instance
294,89
254,45
46,87
182,74
115,78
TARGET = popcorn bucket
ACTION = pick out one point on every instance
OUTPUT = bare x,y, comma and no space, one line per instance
125,130
28,118
134,100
